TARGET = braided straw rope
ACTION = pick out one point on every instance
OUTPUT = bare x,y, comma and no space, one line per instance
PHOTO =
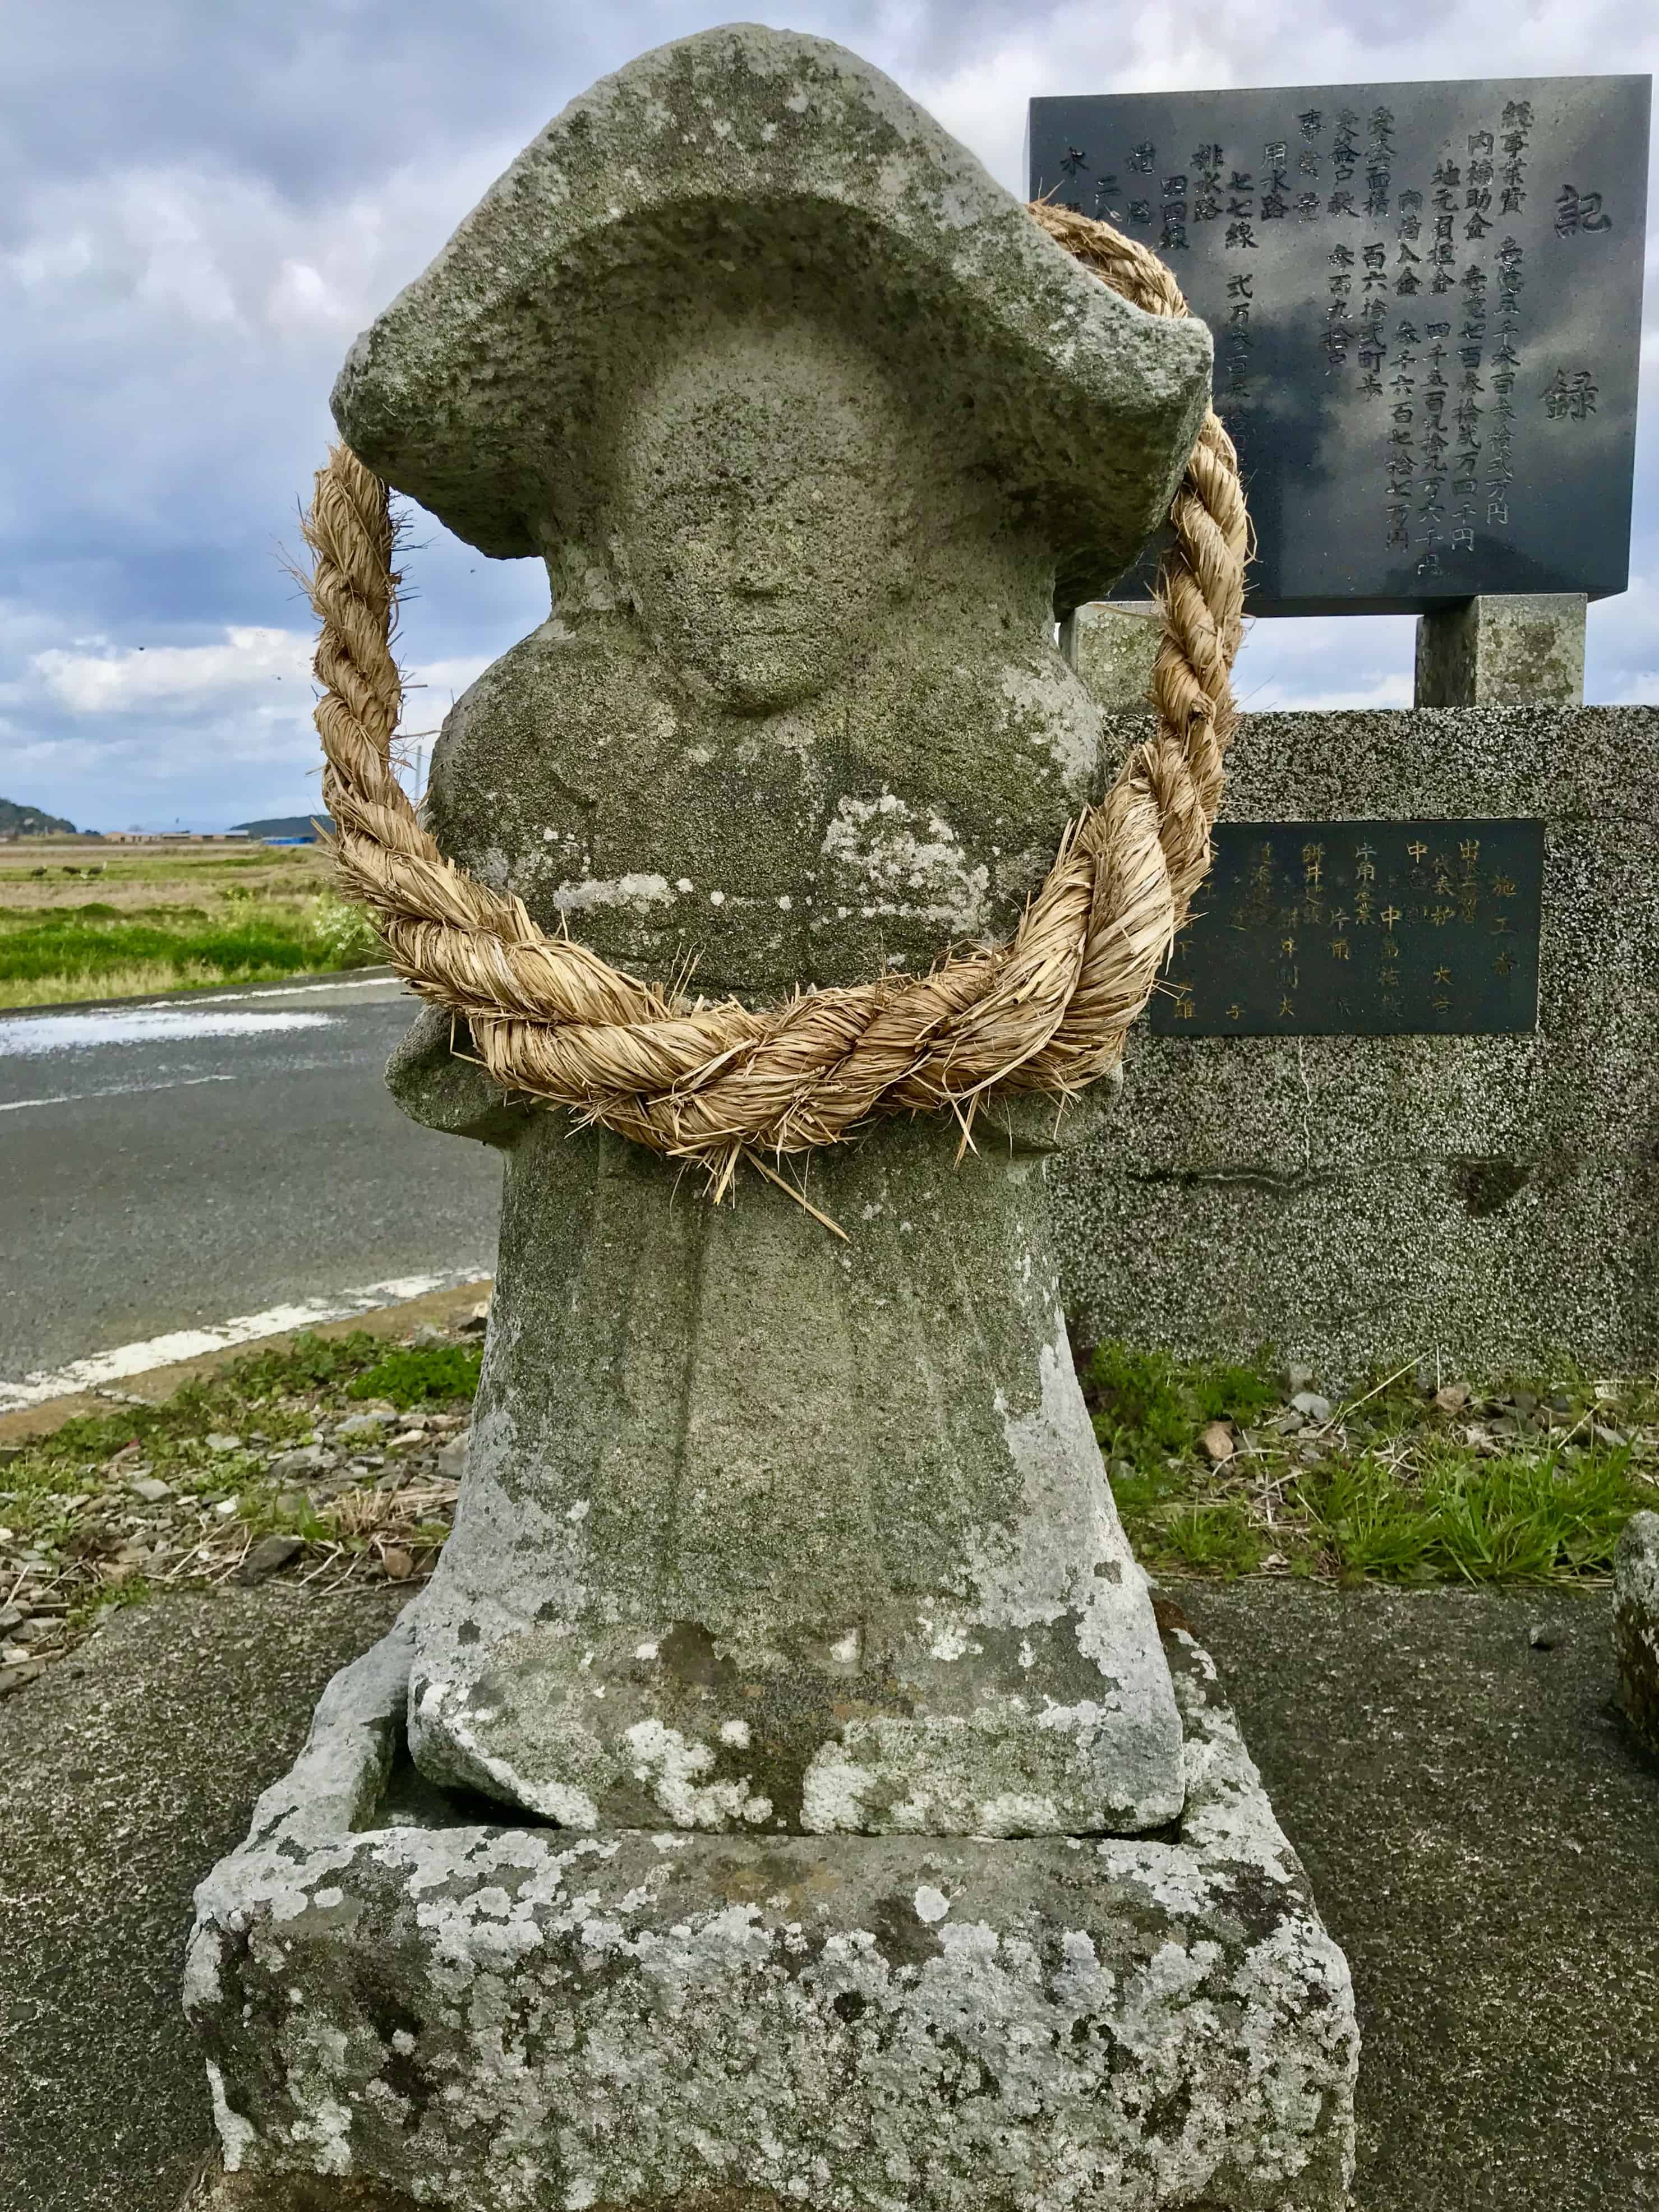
715,1083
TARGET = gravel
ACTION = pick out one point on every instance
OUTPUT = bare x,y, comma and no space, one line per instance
352,1516
1312,1407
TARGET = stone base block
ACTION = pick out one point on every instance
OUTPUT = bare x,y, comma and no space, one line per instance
219,2192
395,1991
1635,1627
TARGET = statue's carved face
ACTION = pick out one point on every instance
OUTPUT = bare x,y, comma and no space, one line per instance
769,498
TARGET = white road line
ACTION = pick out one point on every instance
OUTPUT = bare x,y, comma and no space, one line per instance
215,998
116,1091
104,1367
276,991
183,1083
113,1025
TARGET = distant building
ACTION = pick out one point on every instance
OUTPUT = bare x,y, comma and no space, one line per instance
285,829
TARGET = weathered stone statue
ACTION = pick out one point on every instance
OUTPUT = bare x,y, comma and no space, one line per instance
788,1617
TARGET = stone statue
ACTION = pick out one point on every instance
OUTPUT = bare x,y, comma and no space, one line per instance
762,1529
794,1534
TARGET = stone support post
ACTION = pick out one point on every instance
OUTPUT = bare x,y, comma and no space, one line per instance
1522,650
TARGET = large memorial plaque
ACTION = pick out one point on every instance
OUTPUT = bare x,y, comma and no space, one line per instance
1426,303
1361,929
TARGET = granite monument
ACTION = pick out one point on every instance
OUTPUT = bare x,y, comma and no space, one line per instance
1426,301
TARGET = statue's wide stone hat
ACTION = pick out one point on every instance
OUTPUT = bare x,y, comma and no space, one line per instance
747,165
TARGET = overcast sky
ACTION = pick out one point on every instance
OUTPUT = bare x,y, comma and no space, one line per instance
202,201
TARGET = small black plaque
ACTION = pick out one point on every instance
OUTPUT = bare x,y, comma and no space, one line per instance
1426,304
1361,929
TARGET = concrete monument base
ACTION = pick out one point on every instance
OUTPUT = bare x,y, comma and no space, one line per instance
401,2001
1350,1199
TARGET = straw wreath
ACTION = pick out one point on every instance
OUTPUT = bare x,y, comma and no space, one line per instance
714,1083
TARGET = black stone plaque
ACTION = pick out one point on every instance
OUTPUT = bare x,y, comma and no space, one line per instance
1361,929
1426,305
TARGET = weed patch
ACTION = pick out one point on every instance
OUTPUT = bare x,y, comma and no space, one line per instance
410,1378
302,1442
1403,1484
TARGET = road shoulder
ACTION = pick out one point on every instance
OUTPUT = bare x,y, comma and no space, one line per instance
153,1385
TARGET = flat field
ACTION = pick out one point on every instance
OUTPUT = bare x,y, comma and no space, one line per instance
81,921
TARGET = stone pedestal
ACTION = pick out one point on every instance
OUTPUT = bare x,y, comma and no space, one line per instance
393,1986
1525,649
1112,645
1635,1627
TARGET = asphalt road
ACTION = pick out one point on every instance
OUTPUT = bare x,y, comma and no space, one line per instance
170,1165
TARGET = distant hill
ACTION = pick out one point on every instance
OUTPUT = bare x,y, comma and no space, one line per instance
284,825
17,821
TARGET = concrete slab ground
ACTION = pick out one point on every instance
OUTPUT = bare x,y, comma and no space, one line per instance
124,1771
1483,1838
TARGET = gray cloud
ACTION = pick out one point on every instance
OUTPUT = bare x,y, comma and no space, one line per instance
200,202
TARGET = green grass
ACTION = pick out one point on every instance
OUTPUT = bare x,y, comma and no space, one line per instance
181,918
82,943
1531,1485
1506,1520
1149,1410
1147,1404
1209,1536
406,1378
253,940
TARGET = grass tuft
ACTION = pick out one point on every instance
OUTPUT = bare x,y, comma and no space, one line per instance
1505,1520
409,1377
1148,1404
